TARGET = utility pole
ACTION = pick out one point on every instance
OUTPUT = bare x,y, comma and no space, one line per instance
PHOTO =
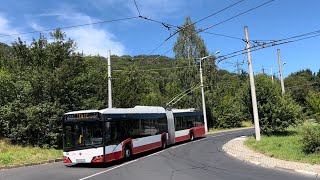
238,67
203,99
272,74
263,69
280,71
109,81
202,92
253,89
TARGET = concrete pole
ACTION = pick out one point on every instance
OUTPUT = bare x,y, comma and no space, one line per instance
109,81
253,89
280,71
203,99
238,67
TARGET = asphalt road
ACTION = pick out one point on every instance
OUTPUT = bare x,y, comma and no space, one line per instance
201,159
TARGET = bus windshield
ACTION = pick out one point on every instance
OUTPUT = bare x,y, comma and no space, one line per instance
83,134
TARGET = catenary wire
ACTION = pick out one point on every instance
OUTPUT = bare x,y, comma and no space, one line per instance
73,26
180,29
137,7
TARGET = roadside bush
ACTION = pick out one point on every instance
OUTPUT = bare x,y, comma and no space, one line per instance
276,111
227,113
313,102
311,139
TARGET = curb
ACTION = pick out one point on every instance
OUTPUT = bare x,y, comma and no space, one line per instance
303,172
31,164
308,173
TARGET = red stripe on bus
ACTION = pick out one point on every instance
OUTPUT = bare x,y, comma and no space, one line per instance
183,138
198,131
114,156
146,147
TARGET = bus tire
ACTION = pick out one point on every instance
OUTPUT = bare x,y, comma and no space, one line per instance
127,152
191,136
163,143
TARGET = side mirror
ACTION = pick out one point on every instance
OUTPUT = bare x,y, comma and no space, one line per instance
80,139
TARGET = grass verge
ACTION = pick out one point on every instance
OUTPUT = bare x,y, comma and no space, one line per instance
13,155
245,124
286,146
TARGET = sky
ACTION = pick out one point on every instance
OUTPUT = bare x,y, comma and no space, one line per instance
276,20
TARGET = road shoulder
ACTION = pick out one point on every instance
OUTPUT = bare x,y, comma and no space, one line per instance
237,149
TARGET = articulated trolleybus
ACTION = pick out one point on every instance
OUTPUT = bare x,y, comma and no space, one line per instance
96,136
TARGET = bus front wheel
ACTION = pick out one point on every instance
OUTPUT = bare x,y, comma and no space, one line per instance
191,136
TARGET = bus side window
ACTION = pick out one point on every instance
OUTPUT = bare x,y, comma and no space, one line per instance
108,132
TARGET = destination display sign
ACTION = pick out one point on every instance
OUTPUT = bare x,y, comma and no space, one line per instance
81,116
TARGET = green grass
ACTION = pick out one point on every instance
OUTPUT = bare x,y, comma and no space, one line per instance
245,124
286,146
11,155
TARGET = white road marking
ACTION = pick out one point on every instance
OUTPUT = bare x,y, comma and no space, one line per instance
116,167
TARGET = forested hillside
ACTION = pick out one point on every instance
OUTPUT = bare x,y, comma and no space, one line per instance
42,80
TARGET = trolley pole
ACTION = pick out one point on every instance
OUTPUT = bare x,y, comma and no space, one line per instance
109,81
253,89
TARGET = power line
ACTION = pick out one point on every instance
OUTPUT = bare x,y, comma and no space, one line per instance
242,52
209,27
73,26
239,51
166,25
215,13
137,8
222,35
180,29
218,12
146,70
266,45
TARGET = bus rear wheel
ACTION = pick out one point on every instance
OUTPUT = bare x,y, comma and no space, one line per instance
163,143
127,153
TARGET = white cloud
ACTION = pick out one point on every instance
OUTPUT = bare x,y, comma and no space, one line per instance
48,14
6,29
36,26
91,40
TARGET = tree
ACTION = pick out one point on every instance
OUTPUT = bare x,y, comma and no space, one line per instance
299,84
313,101
189,44
276,111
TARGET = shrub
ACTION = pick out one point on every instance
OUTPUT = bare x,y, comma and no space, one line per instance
276,111
227,113
313,102
311,139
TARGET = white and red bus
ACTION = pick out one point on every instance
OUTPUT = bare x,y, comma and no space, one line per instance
96,136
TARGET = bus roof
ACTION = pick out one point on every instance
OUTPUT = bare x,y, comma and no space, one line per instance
135,110
82,111
184,110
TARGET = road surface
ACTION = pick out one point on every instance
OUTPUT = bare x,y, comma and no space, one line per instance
201,159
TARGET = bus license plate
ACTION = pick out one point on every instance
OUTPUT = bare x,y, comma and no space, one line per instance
80,160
